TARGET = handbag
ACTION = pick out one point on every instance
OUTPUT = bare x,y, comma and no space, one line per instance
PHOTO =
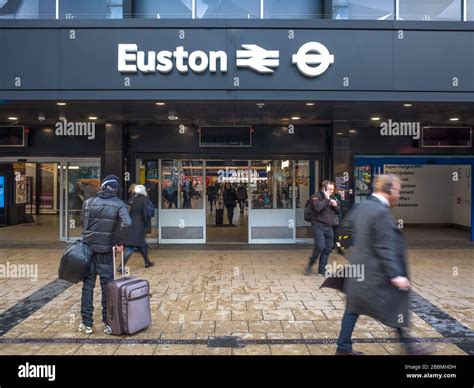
335,282
76,259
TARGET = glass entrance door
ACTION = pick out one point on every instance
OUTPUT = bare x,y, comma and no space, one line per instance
227,185
182,218
272,203
80,180
306,184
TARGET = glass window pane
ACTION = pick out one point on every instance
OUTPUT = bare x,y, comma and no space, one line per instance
162,9
303,189
295,9
470,9
27,9
430,10
48,187
83,183
182,184
260,189
192,184
91,9
283,183
363,9
151,180
271,184
170,182
147,175
228,9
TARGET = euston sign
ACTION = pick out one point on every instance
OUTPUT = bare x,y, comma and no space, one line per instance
312,59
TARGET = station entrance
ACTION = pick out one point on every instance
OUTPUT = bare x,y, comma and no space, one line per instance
229,201
43,197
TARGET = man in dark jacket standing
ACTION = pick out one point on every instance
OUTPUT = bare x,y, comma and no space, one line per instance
106,223
230,198
324,216
380,251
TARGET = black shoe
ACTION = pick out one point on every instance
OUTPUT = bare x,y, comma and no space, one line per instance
308,272
119,270
149,264
348,353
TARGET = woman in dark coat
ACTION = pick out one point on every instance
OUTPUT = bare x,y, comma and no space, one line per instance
140,225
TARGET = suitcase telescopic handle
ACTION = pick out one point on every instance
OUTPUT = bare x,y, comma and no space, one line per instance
122,267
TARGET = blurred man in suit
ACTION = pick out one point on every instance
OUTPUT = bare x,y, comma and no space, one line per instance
381,250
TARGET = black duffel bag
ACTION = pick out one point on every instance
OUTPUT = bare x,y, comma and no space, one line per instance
75,262
77,257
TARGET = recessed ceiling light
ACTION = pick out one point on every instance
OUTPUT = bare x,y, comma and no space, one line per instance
407,105
454,119
93,117
12,118
295,118
160,103
61,103
375,118
340,133
352,131
260,104
310,104
285,119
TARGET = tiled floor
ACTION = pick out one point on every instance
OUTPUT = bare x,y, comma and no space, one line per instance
253,294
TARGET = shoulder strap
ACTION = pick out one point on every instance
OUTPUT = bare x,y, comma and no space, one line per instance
88,211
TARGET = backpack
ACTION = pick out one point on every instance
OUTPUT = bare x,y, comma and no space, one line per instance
308,210
150,209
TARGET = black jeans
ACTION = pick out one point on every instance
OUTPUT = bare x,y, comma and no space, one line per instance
211,203
230,214
344,343
323,236
242,203
102,265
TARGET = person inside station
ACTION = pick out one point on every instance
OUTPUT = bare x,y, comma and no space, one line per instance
230,200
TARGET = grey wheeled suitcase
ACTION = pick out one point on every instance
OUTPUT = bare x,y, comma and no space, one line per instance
128,304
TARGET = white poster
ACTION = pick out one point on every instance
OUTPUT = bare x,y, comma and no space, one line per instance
431,195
